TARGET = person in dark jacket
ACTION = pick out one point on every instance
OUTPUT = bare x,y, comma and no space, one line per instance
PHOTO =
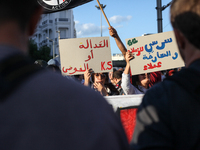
168,117
40,109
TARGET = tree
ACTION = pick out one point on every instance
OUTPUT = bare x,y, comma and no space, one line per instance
43,53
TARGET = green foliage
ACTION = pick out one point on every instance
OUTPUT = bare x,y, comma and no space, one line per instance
42,54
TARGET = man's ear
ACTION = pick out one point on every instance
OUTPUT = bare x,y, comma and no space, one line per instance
180,38
34,20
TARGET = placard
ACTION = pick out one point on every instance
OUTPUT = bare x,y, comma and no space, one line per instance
154,53
79,54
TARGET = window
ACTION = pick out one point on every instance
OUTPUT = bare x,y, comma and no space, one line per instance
63,14
63,33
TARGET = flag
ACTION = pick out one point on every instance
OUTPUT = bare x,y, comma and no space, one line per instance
51,6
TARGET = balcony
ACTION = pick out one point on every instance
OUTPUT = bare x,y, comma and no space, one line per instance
62,21
47,23
43,43
44,22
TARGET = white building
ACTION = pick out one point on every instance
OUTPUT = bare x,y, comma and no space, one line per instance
118,57
51,26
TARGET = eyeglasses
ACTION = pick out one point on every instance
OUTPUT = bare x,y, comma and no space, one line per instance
99,74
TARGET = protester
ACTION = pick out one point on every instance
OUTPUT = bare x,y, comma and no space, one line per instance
117,78
79,78
168,117
99,82
140,83
110,75
155,77
113,33
41,110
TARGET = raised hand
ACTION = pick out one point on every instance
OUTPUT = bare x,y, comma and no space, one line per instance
99,87
87,76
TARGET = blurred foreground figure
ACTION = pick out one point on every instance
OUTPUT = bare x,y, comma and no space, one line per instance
41,110
168,117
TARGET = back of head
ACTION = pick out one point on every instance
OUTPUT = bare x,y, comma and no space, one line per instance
117,74
185,16
19,11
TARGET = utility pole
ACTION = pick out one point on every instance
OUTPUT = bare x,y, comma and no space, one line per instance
160,8
102,6
159,15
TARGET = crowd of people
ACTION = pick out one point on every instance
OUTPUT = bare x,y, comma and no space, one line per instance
41,109
121,82
118,82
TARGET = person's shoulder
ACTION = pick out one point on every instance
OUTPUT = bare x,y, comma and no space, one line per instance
52,87
160,87
55,84
68,103
50,78
125,75
161,93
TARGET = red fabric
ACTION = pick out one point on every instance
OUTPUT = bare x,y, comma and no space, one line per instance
155,77
170,73
128,119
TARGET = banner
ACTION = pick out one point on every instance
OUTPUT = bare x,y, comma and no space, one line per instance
125,106
51,6
154,53
79,54
122,101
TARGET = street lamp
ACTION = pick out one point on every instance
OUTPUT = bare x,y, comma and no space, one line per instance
53,46
102,6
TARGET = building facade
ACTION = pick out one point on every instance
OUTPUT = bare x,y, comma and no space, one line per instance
118,61
53,25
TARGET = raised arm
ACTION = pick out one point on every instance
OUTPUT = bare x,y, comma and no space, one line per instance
118,41
126,85
128,57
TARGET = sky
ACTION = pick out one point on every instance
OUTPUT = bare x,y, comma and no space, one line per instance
131,18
